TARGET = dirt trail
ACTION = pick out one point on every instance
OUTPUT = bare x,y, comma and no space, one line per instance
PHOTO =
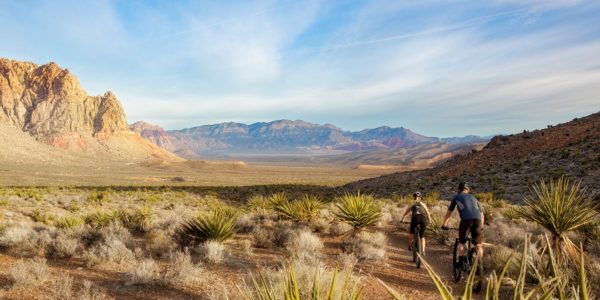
402,275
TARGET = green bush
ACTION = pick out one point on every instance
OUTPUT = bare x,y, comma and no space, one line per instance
99,197
358,210
215,226
100,218
560,207
138,220
68,222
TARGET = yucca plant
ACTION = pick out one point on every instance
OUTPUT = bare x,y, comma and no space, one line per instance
215,226
358,210
68,222
264,290
258,203
277,198
138,220
560,207
305,209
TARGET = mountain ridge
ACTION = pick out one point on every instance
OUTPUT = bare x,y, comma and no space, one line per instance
508,164
285,135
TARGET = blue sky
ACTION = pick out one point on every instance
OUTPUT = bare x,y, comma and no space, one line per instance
441,68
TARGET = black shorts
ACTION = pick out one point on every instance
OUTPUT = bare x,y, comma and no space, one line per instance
466,226
418,220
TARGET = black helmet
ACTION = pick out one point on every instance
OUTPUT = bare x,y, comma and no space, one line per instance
416,194
463,186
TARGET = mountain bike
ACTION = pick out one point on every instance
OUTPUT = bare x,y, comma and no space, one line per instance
417,248
467,266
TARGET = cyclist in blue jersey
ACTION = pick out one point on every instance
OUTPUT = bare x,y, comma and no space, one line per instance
471,219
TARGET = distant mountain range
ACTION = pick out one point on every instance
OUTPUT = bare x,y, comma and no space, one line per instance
286,137
508,164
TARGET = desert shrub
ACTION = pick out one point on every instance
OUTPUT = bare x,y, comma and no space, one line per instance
4,202
305,209
339,228
319,225
283,234
245,223
138,220
89,291
63,245
62,288
100,218
144,272
511,213
560,207
258,204
496,258
68,222
181,270
73,207
216,226
158,243
41,216
113,251
299,280
367,246
91,236
263,237
14,235
358,210
432,198
305,246
347,261
99,197
29,273
277,198
212,252
246,246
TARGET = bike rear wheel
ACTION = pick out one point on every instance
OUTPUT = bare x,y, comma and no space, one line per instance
456,268
417,250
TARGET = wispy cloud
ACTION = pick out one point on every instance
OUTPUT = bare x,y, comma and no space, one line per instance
439,67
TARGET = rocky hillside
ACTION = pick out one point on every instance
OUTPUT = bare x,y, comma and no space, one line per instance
48,103
284,136
508,164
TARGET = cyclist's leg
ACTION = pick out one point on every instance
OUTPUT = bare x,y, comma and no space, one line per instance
476,237
411,231
423,223
463,231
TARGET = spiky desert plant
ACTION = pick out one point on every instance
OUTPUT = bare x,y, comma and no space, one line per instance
264,290
560,207
305,209
258,203
215,226
277,198
358,210
310,206
138,220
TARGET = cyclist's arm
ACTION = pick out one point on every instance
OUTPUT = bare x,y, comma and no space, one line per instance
482,213
451,208
406,213
427,212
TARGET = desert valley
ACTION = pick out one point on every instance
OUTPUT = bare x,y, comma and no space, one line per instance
299,150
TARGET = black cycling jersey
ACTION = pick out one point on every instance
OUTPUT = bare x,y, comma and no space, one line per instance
417,209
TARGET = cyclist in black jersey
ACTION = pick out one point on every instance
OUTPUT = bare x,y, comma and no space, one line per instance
420,215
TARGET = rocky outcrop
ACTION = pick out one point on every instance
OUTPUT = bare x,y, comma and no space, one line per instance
49,103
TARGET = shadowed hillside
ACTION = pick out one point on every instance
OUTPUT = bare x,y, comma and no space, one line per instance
508,164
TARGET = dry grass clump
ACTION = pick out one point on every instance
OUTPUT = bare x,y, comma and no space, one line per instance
159,244
303,277
263,237
279,235
29,273
144,272
339,228
212,252
319,225
181,270
62,288
64,245
305,246
113,251
367,246
89,291
347,261
245,223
